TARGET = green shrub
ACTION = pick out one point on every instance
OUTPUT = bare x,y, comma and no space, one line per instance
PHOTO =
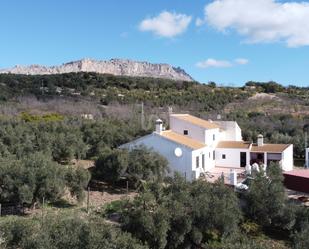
250,228
113,207
52,117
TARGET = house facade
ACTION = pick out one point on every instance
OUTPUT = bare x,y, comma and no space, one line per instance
194,146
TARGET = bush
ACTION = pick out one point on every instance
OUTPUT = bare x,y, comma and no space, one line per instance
301,238
182,215
31,179
52,117
77,180
63,232
266,196
136,165
113,207
251,228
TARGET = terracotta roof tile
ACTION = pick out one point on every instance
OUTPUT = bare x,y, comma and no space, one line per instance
272,148
234,145
181,139
196,121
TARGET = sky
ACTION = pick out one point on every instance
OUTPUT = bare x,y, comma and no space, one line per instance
229,42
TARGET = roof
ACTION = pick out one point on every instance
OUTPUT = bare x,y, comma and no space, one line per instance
222,123
298,172
181,139
196,121
272,148
233,145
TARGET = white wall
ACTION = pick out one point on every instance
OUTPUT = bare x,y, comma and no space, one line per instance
209,137
177,125
166,148
212,144
232,131
287,162
232,157
209,163
238,134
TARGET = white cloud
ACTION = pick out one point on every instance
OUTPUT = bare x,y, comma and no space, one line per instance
221,63
213,63
199,22
241,61
262,20
166,24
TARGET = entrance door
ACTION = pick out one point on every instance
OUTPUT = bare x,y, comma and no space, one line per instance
243,159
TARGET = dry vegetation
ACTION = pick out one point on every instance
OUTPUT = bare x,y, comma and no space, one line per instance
270,104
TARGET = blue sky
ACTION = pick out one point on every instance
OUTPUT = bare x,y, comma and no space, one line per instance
227,44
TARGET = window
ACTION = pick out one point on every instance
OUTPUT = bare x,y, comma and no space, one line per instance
197,162
223,156
213,155
203,161
214,137
185,132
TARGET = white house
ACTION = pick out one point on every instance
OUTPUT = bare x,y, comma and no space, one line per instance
193,146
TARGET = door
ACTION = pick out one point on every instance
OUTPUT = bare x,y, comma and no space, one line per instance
243,159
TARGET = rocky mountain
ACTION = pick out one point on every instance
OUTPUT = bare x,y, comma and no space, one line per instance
114,66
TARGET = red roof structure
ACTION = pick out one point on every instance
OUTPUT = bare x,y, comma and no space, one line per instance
297,180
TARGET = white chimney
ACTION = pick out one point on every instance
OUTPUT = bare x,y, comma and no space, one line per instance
260,140
159,126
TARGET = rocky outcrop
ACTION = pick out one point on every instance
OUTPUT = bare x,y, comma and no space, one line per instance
113,66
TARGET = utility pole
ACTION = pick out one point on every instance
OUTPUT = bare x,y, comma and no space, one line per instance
169,113
42,87
43,204
88,190
306,146
142,116
127,187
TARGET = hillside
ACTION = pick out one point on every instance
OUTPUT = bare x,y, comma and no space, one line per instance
120,67
280,113
49,124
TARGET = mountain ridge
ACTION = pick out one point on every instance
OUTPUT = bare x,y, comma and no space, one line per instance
119,67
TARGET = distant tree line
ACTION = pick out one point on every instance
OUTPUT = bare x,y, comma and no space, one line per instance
107,89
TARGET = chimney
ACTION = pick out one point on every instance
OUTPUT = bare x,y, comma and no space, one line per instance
159,126
260,140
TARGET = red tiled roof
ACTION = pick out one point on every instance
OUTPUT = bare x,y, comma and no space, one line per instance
196,121
181,139
272,148
233,145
